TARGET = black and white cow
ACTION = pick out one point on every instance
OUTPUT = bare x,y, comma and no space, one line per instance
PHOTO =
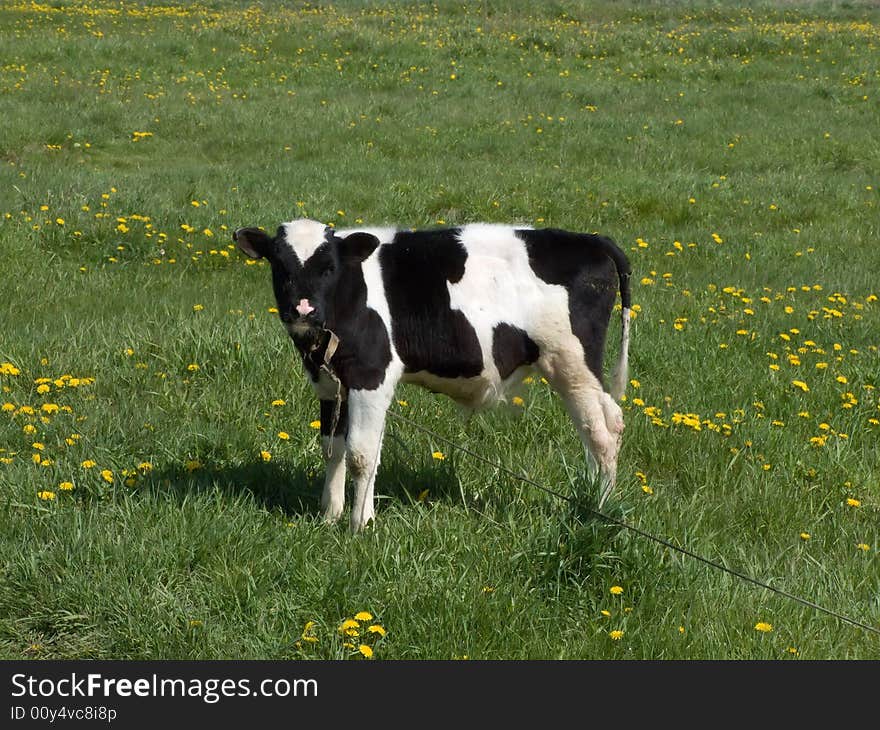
463,311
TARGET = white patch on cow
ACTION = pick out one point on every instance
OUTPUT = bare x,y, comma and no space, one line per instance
471,393
482,391
376,298
378,301
304,237
385,234
499,286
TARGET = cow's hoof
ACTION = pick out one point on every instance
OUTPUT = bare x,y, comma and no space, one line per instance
331,515
359,525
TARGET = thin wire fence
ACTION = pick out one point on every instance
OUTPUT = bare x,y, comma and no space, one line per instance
633,529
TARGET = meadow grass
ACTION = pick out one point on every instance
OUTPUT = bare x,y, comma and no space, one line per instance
160,471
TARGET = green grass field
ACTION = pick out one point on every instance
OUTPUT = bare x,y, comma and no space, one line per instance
160,472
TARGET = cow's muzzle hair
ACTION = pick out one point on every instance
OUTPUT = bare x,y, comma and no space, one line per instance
306,331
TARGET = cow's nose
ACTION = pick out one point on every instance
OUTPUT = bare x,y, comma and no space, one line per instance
304,307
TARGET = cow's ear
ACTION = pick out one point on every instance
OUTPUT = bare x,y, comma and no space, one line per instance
252,241
356,247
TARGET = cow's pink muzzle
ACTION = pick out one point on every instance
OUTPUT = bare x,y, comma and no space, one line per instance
304,308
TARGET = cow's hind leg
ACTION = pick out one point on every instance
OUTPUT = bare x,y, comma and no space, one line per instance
597,418
366,427
333,447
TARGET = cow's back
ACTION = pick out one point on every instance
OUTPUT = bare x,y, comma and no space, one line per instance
470,307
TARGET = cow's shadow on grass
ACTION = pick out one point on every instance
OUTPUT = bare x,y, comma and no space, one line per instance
294,486
278,485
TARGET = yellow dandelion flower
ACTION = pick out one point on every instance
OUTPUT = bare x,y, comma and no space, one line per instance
616,590
192,367
46,495
88,464
315,424
376,629
41,389
65,486
615,635
438,456
805,536
347,625
363,616
764,627
283,435
107,476
308,632
853,502
266,456
366,651
863,546
801,384
279,402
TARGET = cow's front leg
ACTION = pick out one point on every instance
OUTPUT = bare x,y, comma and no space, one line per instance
333,447
366,426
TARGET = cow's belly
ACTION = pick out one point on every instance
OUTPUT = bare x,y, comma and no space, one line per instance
481,391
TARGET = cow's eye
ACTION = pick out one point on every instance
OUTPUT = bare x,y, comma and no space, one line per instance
327,272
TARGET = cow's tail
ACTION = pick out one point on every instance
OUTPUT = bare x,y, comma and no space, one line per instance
620,374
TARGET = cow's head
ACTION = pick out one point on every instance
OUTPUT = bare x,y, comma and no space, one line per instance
307,261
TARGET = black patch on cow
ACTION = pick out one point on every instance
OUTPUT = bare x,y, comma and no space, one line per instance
512,348
592,269
428,334
364,351
328,410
